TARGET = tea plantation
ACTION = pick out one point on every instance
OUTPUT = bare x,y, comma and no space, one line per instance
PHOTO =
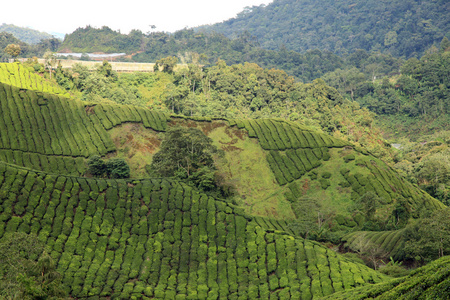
158,238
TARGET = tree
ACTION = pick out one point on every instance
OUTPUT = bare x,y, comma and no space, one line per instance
367,250
13,50
188,154
311,217
96,166
445,44
428,238
50,61
434,171
368,204
167,64
106,70
26,269
117,168
113,168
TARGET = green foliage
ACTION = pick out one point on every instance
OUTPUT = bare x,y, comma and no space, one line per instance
368,204
411,102
188,154
113,168
13,50
117,168
394,269
349,157
96,166
27,271
166,64
428,238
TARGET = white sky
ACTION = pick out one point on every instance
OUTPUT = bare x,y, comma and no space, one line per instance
167,15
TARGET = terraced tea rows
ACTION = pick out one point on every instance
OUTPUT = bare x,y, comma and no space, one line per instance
47,124
390,242
54,164
387,185
112,115
159,238
281,135
429,282
17,75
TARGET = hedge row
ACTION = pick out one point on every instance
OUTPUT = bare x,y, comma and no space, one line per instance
161,239
429,282
17,75
388,185
47,124
110,115
66,165
390,242
389,178
273,224
293,164
281,135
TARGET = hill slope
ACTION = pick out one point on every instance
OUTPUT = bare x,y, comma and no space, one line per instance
54,134
404,28
159,238
27,35
50,133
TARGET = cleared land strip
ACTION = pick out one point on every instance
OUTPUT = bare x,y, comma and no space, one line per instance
116,66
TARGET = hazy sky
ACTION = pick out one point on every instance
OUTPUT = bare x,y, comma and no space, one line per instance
167,15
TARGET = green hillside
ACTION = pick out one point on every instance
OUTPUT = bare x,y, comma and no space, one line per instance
27,35
390,242
57,134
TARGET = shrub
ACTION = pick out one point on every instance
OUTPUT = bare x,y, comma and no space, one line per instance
349,157
326,175
117,168
113,168
96,166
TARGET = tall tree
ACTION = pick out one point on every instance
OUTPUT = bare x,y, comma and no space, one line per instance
50,61
13,50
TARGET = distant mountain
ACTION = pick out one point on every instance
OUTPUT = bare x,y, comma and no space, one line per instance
401,27
27,35
58,35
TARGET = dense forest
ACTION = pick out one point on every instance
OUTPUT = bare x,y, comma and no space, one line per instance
403,27
417,96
